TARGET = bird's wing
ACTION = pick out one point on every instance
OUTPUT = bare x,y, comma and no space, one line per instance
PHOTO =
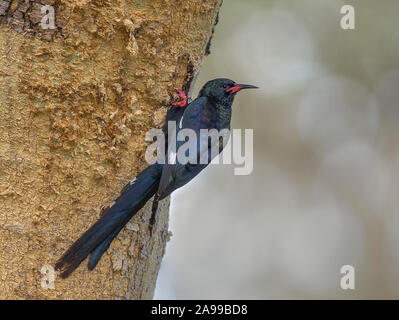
198,118
176,175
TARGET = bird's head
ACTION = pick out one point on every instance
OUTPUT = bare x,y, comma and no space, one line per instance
223,90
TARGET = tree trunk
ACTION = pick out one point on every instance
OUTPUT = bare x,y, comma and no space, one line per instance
76,99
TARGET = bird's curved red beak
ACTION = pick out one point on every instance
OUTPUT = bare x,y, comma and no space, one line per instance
239,87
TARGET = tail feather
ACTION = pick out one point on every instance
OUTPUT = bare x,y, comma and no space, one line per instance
100,235
98,252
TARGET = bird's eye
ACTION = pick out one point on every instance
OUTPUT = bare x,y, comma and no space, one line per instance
225,86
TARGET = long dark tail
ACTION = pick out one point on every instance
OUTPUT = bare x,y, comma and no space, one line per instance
99,236
98,252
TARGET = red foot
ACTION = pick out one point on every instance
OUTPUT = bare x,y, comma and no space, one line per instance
183,102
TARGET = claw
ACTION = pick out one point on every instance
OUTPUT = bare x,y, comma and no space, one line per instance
183,102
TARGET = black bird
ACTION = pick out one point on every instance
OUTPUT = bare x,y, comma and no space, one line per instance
212,109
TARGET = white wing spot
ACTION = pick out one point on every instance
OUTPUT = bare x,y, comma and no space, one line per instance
112,204
133,181
181,123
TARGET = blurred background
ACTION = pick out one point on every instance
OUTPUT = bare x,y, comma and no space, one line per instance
324,189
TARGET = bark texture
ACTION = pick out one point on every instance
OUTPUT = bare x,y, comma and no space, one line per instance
75,103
